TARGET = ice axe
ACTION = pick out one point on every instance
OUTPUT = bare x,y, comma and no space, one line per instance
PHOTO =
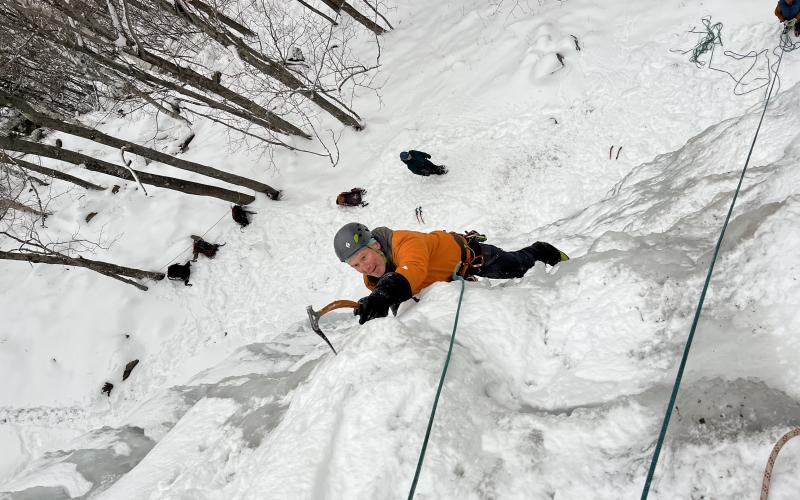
314,316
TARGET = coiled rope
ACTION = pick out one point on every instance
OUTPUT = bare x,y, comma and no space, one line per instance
711,37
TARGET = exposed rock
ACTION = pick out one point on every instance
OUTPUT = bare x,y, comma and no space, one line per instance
107,387
128,369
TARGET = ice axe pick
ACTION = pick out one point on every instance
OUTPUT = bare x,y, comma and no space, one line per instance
314,316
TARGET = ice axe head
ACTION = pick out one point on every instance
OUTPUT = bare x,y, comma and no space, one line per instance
314,316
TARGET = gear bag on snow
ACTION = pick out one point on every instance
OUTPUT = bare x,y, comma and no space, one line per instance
352,198
241,215
180,272
201,246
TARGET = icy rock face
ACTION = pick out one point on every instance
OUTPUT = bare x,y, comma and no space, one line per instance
714,409
107,454
249,405
40,493
558,380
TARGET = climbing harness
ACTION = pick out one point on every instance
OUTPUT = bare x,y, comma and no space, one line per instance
471,256
688,346
771,460
441,383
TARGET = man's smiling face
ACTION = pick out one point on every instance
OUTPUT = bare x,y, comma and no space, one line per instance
369,261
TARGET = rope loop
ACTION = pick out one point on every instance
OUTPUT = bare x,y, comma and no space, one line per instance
771,460
710,36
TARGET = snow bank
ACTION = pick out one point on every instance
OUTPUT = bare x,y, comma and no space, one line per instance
558,381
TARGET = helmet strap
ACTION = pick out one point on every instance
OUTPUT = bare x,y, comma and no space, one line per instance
372,241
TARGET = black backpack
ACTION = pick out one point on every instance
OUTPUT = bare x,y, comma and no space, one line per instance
240,215
180,272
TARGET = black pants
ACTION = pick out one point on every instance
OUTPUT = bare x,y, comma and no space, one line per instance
434,169
497,263
426,168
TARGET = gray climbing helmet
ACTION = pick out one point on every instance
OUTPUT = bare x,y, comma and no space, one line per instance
350,239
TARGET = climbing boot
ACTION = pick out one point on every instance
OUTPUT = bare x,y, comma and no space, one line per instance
545,252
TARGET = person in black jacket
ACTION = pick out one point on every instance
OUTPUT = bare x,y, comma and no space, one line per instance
419,163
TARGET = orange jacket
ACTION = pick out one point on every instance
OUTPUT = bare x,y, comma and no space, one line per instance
422,258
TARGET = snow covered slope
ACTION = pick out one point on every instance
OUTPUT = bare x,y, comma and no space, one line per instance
558,382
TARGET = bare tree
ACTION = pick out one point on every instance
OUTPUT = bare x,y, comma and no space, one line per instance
342,6
30,248
21,240
34,251
317,12
85,32
157,51
104,167
215,30
50,172
60,123
59,59
329,66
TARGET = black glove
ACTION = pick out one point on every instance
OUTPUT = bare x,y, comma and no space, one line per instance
391,289
370,307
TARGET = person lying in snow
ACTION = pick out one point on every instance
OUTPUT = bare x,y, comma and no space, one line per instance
788,11
419,163
398,264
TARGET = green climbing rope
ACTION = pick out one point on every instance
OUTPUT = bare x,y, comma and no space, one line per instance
439,389
688,346
710,36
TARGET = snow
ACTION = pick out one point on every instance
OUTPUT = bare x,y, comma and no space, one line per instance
558,380
53,482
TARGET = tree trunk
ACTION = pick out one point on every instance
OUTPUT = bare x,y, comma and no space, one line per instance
152,79
78,130
184,75
5,204
319,13
187,75
375,10
270,68
172,114
105,268
17,172
104,167
351,11
231,23
55,174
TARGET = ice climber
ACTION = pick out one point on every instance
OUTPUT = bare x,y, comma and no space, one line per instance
419,163
788,11
398,264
